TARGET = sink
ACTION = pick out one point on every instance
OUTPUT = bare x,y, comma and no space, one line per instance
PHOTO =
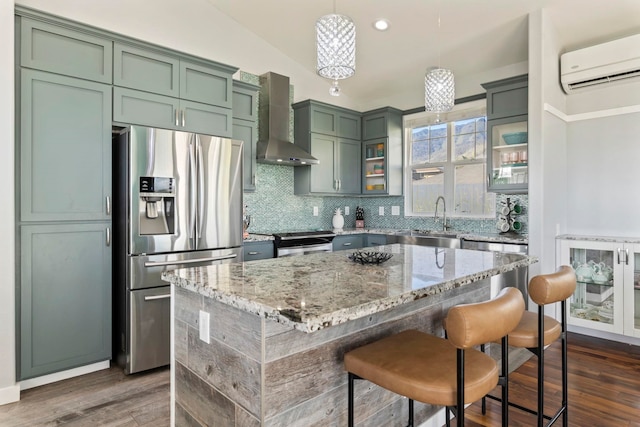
434,233
427,238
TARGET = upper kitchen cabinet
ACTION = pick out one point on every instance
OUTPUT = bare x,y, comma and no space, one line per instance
507,133
66,51
64,148
156,89
382,152
507,97
330,120
326,132
149,71
149,109
245,128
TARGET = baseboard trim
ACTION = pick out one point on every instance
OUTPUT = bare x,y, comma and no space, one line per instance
59,376
9,394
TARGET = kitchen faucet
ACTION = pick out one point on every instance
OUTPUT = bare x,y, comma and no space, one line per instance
444,213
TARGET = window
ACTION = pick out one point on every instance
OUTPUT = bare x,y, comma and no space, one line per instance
448,158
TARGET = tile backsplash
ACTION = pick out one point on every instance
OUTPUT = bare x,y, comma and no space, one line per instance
273,207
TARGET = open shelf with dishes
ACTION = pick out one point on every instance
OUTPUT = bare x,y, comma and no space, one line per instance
375,164
508,139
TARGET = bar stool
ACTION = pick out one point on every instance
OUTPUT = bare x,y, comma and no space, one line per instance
537,331
439,371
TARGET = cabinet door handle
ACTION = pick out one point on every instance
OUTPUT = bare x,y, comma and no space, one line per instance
108,205
626,258
184,118
619,255
108,236
176,117
346,244
253,253
339,184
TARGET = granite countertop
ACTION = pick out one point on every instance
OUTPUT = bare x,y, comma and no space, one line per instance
482,237
316,291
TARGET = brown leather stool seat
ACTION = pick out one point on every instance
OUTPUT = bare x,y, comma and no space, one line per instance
526,333
427,368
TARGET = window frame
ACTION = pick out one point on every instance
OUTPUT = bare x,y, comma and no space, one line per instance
459,112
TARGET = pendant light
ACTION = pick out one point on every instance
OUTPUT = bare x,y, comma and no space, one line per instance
439,87
336,48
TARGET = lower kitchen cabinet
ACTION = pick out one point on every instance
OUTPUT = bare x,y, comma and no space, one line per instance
375,240
349,241
607,296
65,297
257,250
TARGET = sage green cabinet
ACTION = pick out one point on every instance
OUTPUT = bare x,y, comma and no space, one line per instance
245,128
65,297
146,70
331,120
327,133
149,109
64,148
257,250
507,135
375,240
349,241
382,152
152,88
65,51
338,171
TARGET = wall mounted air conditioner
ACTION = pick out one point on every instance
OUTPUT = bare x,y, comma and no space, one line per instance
612,62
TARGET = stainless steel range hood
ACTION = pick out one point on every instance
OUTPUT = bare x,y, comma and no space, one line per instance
274,146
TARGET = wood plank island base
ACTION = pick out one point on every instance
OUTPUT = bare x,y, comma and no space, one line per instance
279,328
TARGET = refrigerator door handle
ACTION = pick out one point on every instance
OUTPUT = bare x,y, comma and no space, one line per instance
200,187
189,261
192,191
152,297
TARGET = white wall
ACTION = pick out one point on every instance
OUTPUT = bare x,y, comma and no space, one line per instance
547,145
8,390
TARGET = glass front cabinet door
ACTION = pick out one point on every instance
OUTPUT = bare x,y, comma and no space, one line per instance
631,256
607,295
375,166
508,156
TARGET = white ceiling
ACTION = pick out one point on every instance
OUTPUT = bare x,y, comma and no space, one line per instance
475,36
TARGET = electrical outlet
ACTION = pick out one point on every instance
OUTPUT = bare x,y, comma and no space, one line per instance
204,326
395,210
381,210
315,211
346,210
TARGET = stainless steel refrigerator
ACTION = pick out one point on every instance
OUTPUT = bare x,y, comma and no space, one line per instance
177,203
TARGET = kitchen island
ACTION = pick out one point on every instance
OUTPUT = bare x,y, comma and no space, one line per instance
278,330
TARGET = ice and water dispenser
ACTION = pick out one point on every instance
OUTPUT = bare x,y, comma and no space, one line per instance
157,205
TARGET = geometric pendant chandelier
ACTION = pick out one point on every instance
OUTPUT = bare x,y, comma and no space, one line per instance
336,48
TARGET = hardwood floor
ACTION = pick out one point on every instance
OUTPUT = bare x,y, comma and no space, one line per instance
604,391
604,386
103,398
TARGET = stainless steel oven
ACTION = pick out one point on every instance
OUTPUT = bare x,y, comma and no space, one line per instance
302,243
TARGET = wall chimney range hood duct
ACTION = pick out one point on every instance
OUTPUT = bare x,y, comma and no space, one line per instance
274,146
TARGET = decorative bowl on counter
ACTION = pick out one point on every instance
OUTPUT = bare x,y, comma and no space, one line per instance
515,138
370,257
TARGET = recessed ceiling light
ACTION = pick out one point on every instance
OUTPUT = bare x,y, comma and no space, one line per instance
381,25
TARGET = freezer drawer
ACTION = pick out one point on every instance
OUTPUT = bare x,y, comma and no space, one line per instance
145,270
150,312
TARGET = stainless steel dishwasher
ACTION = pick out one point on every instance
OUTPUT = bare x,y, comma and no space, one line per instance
518,278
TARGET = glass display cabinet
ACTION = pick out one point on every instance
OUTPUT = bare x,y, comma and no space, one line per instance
607,295
508,157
